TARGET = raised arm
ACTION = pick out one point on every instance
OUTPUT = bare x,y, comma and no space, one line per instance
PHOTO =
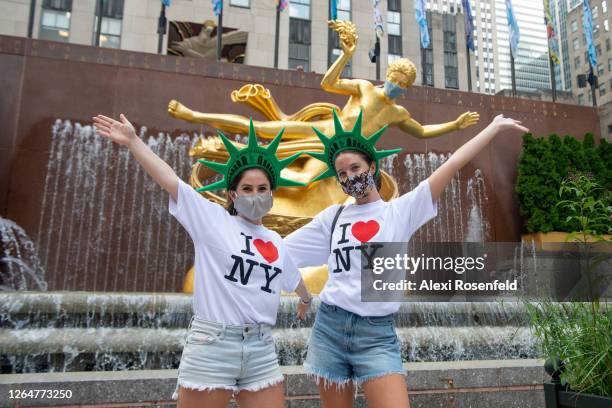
331,81
414,128
123,133
443,174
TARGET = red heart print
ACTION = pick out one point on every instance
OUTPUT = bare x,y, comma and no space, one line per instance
266,249
364,231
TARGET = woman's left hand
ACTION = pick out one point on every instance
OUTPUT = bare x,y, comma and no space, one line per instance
500,123
302,309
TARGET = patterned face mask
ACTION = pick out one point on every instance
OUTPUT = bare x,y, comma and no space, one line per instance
358,185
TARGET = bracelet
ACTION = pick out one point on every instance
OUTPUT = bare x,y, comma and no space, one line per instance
308,302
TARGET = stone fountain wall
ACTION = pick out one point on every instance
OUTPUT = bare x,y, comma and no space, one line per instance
99,223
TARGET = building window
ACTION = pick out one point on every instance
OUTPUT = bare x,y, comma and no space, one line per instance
574,26
299,34
577,62
393,23
395,45
604,6
600,69
576,44
451,76
606,25
602,89
581,99
394,29
240,3
343,9
607,44
598,50
610,64
110,30
55,20
344,13
300,9
595,11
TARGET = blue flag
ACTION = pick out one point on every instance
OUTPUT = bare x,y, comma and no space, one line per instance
469,24
166,2
333,10
421,18
217,6
587,26
515,34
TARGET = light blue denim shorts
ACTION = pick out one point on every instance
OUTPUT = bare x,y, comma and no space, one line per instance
345,346
231,357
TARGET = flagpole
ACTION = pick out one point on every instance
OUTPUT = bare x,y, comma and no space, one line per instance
469,68
512,73
31,18
276,35
161,27
329,34
100,5
219,33
377,52
592,81
553,80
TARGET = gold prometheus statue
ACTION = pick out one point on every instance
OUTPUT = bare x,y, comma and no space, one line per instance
294,206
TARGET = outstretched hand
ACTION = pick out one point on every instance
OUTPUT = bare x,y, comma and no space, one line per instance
467,119
347,32
121,132
500,123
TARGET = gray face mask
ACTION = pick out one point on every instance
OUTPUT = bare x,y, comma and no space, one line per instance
253,206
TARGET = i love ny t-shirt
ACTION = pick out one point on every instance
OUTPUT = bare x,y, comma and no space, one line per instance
240,267
379,221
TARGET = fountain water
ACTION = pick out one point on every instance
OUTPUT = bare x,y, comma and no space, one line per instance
83,331
20,268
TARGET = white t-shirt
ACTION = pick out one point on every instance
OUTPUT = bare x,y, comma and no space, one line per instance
240,267
379,221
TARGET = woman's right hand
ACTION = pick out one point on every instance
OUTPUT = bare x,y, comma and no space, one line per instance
122,132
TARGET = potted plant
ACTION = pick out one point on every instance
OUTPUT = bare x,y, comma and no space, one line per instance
576,337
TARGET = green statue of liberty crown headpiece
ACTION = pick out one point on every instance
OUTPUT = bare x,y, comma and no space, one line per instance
251,156
348,140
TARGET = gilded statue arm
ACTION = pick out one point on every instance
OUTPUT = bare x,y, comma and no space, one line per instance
414,128
348,40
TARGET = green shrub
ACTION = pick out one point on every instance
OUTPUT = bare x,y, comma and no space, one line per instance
544,163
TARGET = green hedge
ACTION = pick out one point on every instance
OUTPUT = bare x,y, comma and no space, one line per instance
544,163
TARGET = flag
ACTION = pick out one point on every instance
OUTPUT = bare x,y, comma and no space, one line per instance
553,47
333,10
282,4
469,24
421,18
166,2
515,34
378,21
587,26
217,6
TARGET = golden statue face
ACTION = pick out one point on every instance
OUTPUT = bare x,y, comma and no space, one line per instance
399,79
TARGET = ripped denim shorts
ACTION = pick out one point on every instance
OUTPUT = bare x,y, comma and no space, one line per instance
231,357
